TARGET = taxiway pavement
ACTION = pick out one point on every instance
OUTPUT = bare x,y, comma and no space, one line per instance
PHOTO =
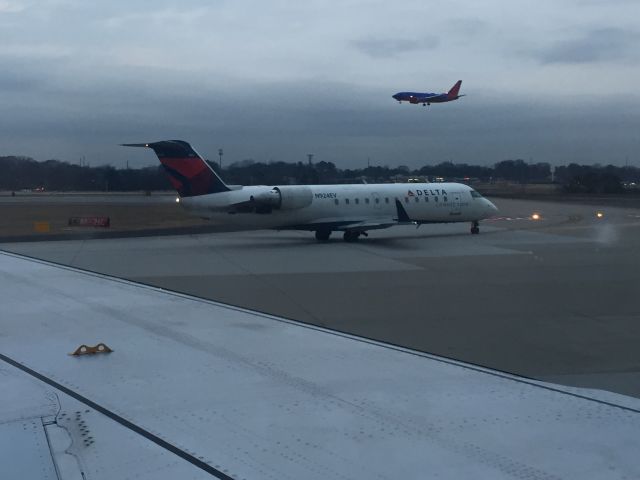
556,299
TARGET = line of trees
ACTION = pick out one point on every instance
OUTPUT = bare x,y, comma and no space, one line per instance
588,179
20,173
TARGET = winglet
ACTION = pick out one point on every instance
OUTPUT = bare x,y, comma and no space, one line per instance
453,93
402,213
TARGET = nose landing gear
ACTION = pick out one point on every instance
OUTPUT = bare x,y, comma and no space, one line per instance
475,227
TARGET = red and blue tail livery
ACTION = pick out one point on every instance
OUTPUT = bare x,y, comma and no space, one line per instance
188,172
429,98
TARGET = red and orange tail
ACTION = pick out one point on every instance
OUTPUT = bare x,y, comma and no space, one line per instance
453,93
188,172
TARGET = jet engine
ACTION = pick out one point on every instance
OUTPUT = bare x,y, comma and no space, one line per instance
284,198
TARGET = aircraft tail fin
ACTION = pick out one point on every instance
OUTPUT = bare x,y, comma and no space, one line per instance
188,172
453,93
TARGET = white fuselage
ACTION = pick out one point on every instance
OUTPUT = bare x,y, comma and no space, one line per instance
340,204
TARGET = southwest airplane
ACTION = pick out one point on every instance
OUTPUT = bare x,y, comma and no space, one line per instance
323,209
429,98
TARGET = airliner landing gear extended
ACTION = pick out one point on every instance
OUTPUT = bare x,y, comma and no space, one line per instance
475,227
323,235
352,236
349,235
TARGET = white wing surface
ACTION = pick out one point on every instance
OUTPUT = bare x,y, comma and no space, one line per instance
196,389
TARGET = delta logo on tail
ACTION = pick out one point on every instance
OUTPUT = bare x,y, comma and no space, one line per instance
429,98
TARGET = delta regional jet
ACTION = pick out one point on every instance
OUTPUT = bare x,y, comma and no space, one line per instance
429,98
323,209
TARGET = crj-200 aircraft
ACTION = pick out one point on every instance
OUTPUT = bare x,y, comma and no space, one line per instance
351,209
429,98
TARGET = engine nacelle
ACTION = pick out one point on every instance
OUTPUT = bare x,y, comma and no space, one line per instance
294,197
285,198
269,198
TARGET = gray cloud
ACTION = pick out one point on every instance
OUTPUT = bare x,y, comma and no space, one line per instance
338,122
394,47
17,81
84,78
467,27
597,45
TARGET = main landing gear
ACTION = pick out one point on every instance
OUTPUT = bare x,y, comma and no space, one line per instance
475,227
349,235
323,235
352,236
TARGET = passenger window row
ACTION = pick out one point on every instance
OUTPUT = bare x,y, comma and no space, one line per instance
356,201
426,199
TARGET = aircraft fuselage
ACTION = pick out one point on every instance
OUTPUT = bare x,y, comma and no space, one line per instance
420,97
346,205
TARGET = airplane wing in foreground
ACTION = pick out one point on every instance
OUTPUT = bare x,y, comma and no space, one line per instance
195,389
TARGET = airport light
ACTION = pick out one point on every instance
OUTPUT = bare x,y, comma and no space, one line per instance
536,216
599,215
177,199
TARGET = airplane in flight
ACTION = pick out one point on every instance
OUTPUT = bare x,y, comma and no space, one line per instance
351,209
429,98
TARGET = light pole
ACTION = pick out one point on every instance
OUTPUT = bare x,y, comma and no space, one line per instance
220,153
310,157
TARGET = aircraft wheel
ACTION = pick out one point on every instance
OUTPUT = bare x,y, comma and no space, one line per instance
323,235
350,236
475,228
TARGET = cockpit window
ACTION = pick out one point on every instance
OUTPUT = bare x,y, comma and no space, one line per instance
475,194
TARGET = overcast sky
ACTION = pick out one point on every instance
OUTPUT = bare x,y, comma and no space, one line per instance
545,80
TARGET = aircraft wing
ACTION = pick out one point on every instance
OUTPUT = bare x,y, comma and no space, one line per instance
426,98
195,389
417,98
342,224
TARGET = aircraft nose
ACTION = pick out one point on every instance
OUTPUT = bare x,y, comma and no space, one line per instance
491,206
